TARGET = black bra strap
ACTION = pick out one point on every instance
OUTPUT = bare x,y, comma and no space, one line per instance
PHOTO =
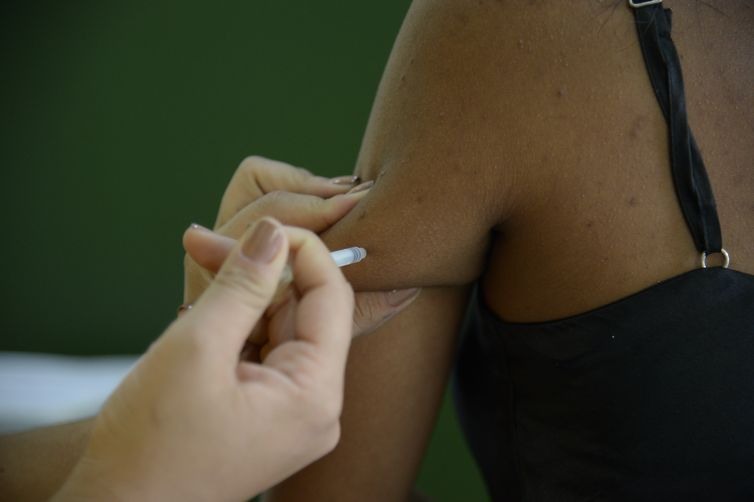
689,175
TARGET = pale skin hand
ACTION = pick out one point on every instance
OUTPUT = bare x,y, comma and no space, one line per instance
192,421
33,464
262,187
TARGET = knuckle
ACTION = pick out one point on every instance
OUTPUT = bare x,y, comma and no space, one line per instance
320,440
331,412
258,167
251,289
331,438
310,235
251,169
322,211
251,163
324,418
273,198
310,363
296,175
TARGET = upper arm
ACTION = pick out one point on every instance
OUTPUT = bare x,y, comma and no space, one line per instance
438,145
440,189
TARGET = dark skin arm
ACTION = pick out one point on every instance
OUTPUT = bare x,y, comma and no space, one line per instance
34,464
511,121
427,222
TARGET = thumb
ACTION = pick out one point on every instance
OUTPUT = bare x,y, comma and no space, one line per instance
243,288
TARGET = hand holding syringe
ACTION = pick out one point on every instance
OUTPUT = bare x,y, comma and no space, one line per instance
373,308
258,344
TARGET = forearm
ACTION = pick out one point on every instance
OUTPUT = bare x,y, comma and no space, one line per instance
34,464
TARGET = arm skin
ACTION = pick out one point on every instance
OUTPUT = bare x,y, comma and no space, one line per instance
442,186
34,464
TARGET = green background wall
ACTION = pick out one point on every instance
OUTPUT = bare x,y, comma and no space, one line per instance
123,122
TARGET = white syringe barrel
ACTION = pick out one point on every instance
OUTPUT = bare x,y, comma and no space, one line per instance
348,256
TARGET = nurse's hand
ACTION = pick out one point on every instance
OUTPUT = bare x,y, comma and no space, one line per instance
194,422
262,187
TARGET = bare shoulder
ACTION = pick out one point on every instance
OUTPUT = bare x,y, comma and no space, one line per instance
488,111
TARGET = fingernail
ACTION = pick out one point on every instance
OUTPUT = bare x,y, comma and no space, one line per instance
398,297
196,226
361,188
345,180
264,242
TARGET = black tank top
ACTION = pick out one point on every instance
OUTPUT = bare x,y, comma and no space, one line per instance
649,398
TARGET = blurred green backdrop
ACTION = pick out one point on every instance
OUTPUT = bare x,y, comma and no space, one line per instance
123,122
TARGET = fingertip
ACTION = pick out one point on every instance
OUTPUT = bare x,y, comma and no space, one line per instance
191,230
205,247
328,187
189,238
362,188
345,181
402,298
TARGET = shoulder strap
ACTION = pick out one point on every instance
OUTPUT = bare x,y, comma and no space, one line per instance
689,175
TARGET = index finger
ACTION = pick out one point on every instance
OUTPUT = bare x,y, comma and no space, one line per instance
257,176
324,316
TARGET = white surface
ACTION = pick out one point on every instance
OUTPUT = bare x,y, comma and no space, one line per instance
42,389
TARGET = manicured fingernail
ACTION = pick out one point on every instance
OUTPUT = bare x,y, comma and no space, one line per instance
361,188
345,180
264,242
398,297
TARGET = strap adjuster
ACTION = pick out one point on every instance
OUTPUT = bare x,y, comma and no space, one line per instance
637,4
